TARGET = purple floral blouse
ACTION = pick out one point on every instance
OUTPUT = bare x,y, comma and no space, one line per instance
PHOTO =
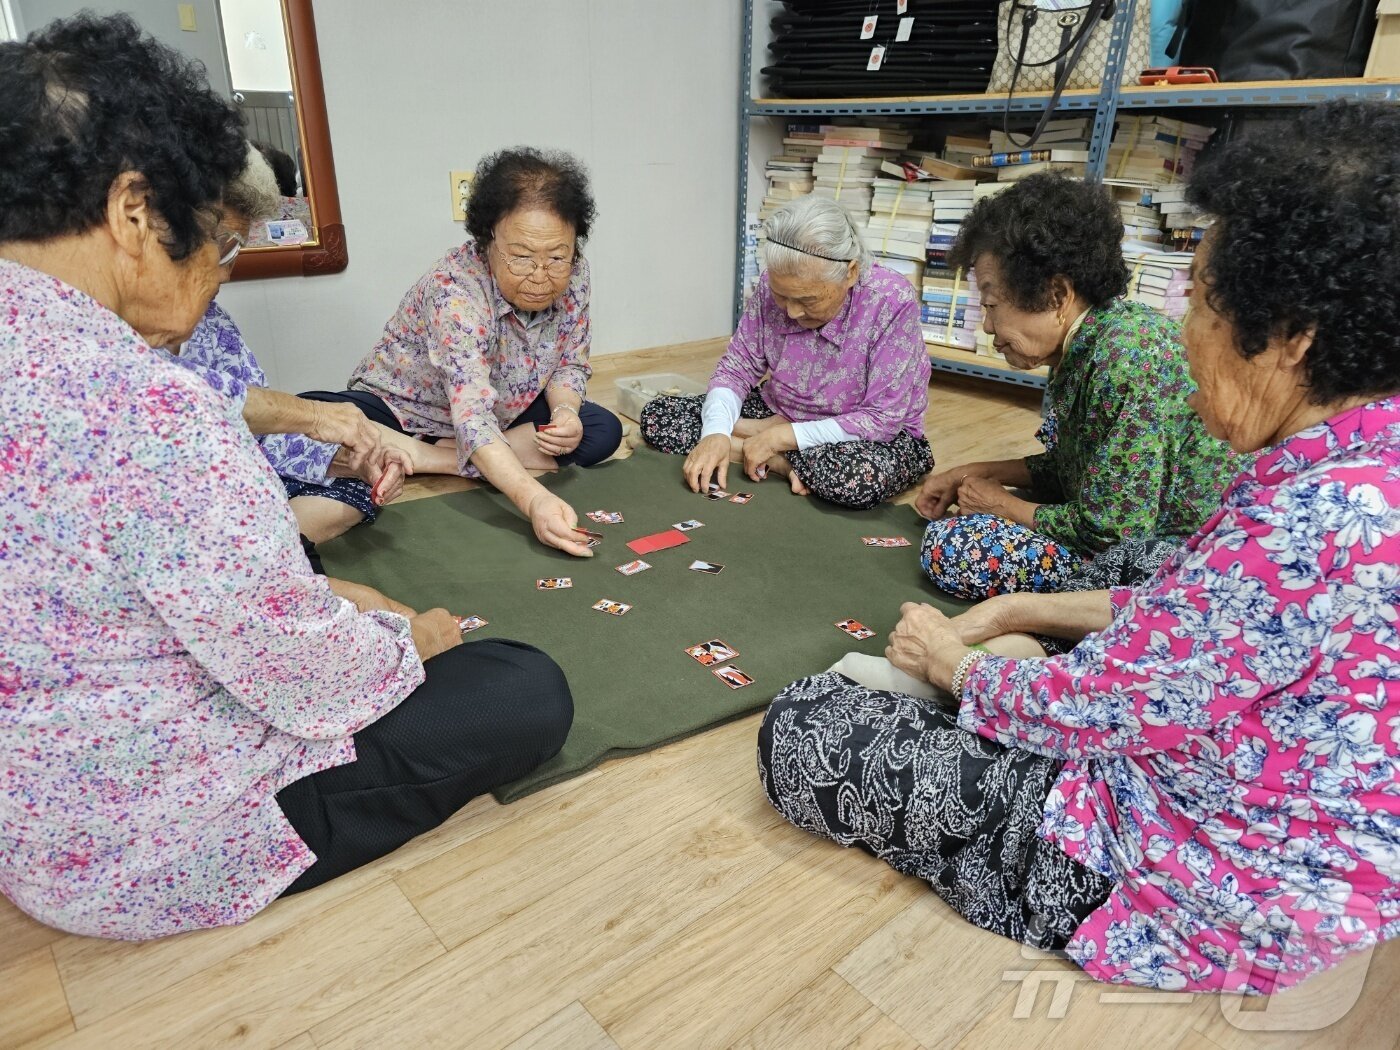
456,358
168,661
867,368
1231,741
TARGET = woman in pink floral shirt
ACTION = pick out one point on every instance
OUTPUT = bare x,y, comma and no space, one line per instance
1203,794
191,721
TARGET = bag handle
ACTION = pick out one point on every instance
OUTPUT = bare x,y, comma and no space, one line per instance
1101,10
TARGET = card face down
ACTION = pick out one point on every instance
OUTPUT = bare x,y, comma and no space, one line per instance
657,541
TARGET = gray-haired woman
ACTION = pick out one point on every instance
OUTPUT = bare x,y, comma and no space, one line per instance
842,413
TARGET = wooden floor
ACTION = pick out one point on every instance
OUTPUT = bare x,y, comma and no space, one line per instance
655,902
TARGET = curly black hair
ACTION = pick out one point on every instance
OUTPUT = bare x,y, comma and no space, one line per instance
526,177
89,98
1307,225
1046,226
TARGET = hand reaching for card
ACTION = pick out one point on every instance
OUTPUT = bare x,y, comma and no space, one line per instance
708,461
556,523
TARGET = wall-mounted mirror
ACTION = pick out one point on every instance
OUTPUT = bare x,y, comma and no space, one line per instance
262,55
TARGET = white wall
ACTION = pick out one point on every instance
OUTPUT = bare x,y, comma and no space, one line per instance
160,18
257,45
643,91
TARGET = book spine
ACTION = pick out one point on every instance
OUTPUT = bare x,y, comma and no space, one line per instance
1006,160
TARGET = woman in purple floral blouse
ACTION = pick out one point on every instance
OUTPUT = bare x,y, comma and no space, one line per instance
1204,793
192,722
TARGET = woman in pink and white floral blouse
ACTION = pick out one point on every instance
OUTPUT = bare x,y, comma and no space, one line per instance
1204,794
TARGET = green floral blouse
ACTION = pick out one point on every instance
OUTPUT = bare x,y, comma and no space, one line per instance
1129,457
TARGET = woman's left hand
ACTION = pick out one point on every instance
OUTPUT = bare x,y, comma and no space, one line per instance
758,450
367,599
978,495
564,433
922,631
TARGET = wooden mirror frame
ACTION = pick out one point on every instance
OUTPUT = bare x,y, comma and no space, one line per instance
326,252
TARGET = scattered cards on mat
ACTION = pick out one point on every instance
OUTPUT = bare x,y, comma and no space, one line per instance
712,652
554,583
884,541
467,624
733,677
686,526
634,567
611,607
605,517
713,568
855,629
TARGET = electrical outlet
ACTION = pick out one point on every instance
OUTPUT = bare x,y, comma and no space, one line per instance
461,190
187,22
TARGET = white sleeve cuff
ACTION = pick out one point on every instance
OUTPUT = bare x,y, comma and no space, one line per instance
721,412
819,432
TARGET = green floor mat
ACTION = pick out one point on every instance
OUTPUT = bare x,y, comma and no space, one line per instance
792,568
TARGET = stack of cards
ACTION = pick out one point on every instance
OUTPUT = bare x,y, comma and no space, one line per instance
467,624
657,541
594,538
714,652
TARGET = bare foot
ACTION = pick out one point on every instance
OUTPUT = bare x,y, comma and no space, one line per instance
522,442
779,467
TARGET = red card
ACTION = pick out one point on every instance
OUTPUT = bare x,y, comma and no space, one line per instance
658,541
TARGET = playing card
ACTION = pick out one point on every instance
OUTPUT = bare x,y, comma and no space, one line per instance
633,567
554,583
712,652
741,497
707,566
732,676
686,526
657,541
467,624
717,494
884,541
611,607
605,517
593,538
855,629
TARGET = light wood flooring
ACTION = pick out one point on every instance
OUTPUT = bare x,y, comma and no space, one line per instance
657,901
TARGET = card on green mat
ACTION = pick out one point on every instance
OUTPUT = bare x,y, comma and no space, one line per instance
792,568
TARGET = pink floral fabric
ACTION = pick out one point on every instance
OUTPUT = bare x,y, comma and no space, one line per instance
456,358
1232,739
168,661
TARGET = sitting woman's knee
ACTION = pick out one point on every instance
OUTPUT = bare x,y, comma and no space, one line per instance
602,435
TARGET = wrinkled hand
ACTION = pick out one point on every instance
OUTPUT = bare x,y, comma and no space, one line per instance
922,630
345,425
367,599
554,522
564,433
708,460
434,632
978,495
986,620
758,450
386,474
939,492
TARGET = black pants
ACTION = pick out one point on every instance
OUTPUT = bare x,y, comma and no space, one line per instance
602,431
488,713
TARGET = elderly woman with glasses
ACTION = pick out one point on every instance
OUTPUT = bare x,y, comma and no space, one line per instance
487,355
841,415
192,722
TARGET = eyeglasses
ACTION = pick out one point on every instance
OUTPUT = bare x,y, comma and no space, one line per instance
229,245
525,265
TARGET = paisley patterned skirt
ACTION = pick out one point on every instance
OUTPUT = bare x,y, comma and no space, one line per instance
895,775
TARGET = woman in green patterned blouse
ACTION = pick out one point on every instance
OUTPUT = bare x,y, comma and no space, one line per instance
1127,466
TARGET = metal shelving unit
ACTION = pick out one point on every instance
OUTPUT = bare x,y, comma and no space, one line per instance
1104,103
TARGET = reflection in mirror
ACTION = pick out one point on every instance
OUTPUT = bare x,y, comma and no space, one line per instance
262,55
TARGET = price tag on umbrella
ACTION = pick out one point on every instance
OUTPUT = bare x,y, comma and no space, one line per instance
877,58
867,28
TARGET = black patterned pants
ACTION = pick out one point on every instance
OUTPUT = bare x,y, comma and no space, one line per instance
895,775
856,474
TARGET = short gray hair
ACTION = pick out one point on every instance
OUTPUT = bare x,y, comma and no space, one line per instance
254,192
814,233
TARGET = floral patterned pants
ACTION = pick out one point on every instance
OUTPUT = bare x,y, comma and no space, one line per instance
978,556
855,474
898,776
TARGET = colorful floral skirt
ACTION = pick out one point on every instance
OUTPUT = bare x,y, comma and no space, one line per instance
978,556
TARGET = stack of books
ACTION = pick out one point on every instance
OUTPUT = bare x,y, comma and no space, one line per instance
789,173
896,230
951,310
1185,225
960,149
849,160
1161,280
1155,150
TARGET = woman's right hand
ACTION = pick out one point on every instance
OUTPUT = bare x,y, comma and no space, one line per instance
434,632
990,619
939,492
708,459
556,523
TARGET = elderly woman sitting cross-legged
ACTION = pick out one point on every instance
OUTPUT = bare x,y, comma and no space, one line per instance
1202,794
842,414
1125,460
